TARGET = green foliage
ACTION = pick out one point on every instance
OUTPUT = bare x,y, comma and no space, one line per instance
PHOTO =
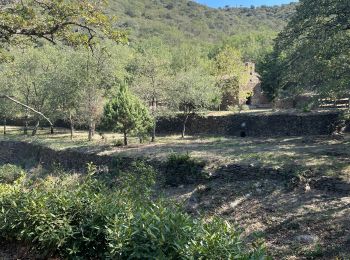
61,82
231,75
194,90
10,173
71,218
311,53
253,45
187,21
125,113
74,22
118,143
182,169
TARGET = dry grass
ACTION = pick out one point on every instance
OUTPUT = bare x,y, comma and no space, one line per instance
330,155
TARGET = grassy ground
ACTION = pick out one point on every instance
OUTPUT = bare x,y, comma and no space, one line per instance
298,222
327,154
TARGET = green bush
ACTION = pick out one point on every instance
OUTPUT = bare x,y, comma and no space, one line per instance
10,173
182,169
82,218
118,143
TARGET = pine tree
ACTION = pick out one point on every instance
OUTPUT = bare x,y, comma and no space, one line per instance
125,113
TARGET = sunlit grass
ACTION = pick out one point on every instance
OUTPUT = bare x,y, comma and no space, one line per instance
331,155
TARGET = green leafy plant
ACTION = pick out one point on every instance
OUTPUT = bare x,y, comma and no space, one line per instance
182,169
83,218
10,173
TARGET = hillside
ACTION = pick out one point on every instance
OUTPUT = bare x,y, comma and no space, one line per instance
183,20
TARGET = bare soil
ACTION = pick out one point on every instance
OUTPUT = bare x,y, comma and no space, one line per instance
296,220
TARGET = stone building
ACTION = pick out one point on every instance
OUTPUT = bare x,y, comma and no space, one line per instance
248,94
252,93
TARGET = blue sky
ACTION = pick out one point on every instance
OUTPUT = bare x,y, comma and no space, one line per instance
237,3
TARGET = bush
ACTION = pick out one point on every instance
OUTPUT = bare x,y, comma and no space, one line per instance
244,107
118,143
10,173
234,109
85,219
182,169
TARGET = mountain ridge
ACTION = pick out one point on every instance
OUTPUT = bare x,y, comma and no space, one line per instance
184,20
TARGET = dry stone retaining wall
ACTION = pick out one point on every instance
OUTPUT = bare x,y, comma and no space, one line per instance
255,125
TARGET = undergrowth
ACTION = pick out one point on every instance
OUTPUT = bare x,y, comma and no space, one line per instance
84,218
183,169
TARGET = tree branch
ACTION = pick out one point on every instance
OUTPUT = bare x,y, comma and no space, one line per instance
30,108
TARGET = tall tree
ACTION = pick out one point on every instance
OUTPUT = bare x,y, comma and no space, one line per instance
194,90
231,74
150,76
314,50
28,77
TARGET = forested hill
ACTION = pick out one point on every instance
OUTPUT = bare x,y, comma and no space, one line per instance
178,20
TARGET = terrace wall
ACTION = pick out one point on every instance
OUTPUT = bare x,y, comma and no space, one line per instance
255,125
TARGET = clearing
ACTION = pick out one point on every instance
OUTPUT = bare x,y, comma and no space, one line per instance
293,191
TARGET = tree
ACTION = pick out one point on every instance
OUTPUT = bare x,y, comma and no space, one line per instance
61,82
231,74
84,81
253,45
7,111
71,22
28,78
125,113
74,22
193,91
150,76
314,50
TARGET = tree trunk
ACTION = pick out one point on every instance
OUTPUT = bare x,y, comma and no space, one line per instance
154,109
184,127
154,132
5,126
71,123
125,138
25,129
90,130
93,130
35,129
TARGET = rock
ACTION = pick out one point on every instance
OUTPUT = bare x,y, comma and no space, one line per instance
307,239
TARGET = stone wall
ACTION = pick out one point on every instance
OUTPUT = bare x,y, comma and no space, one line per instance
255,125
25,154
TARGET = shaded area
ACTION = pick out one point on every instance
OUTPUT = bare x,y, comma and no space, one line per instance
295,219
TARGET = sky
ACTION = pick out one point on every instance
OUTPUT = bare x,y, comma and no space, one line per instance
237,3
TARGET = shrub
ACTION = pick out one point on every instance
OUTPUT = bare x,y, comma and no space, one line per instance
244,107
118,143
10,173
182,169
235,108
72,218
